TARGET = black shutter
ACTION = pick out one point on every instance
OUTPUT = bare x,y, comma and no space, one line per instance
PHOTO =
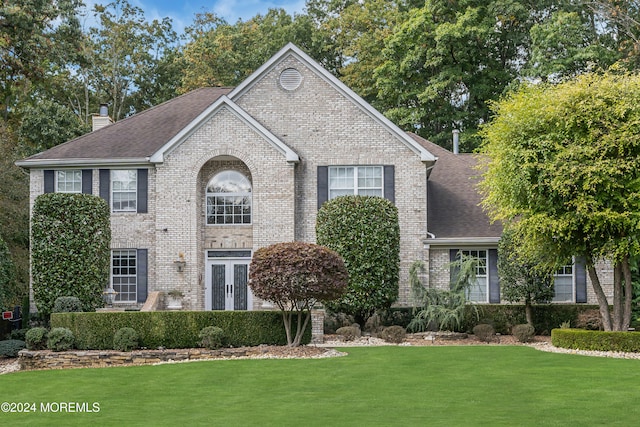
49,181
323,185
581,280
87,181
454,270
105,184
143,184
389,183
494,280
142,274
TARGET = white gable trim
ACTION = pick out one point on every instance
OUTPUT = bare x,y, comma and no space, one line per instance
293,50
222,102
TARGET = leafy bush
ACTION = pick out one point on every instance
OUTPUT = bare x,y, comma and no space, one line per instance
36,338
175,329
294,276
18,334
10,348
70,252
365,232
484,332
8,287
125,339
212,337
580,339
350,333
523,332
60,339
334,321
393,334
67,305
589,319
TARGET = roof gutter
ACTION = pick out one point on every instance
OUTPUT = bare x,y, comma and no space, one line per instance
460,242
44,163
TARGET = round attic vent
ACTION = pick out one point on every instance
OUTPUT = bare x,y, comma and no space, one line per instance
290,79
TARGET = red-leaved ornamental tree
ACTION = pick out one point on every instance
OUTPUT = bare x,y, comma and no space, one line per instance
294,276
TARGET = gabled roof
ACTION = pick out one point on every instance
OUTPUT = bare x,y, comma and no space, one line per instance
292,50
454,214
224,102
134,139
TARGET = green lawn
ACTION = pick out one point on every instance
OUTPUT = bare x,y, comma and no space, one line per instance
375,386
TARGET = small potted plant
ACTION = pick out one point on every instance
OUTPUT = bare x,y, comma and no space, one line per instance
174,299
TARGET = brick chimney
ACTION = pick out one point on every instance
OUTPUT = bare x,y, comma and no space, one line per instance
101,120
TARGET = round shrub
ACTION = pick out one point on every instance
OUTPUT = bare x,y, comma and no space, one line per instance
67,305
36,338
10,348
212,337
524,332
349,333
393,334
60,339
18,334
125,339
484,332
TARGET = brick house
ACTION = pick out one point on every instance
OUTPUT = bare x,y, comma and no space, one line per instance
198,183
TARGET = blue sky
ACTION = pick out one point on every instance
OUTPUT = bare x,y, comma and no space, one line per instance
182,12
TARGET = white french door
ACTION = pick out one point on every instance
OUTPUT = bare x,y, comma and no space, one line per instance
227,282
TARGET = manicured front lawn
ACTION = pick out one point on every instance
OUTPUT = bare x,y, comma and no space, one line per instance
376,386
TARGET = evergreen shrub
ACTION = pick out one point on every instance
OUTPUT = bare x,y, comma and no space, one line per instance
10,348
581,339
393,334
350,333
67,304
125,339
212,337
36,338
175,329
484,332
60,339
523,332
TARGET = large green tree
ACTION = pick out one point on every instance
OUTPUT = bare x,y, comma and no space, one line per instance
563,168
364,230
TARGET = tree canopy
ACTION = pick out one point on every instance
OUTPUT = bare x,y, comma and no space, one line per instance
562,168
295,276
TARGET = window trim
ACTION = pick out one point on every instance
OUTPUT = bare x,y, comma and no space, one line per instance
248,195
485,276
112,192
356,188
56,184
573,284
129,276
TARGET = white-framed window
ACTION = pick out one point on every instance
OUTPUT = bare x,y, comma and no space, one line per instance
124,190
69,181
124,273
355,180
563,280
228,199
479,291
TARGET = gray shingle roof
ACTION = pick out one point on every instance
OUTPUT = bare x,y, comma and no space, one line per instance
140,135
453,207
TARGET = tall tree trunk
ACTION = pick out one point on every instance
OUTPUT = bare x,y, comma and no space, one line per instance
528,312
628,293
617,297
605,314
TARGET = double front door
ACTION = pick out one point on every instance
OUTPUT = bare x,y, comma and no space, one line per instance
227,284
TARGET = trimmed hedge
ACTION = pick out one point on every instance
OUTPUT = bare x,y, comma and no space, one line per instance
581,339
502,317
175,329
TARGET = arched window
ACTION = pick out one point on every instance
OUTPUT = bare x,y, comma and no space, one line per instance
229,198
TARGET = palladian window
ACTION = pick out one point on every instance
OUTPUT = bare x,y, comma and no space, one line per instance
229,199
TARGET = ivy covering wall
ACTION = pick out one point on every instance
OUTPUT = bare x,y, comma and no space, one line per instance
70,238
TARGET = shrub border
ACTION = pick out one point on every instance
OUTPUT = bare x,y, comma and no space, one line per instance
175,329
581,339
